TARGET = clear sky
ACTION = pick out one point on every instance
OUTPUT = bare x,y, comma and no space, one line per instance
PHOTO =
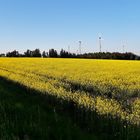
58,24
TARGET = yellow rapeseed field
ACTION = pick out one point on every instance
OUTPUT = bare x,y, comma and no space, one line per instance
111,87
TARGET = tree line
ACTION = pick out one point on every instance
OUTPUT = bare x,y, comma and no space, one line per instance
65,54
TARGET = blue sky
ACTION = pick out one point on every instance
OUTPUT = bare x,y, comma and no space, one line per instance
58,24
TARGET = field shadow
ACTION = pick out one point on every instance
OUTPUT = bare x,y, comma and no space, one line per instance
28,114
25,114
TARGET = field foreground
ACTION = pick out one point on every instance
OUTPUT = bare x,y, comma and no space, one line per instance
101,96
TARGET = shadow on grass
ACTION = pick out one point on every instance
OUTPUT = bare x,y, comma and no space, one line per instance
27,114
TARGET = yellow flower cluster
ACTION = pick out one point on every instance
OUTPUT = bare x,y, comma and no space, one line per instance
107,86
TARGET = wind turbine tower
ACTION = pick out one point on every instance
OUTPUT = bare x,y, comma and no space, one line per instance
123,48
100,43
68,49
80,44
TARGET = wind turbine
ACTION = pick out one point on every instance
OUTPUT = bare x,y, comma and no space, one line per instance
123,47
68,49
100,42
80,43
